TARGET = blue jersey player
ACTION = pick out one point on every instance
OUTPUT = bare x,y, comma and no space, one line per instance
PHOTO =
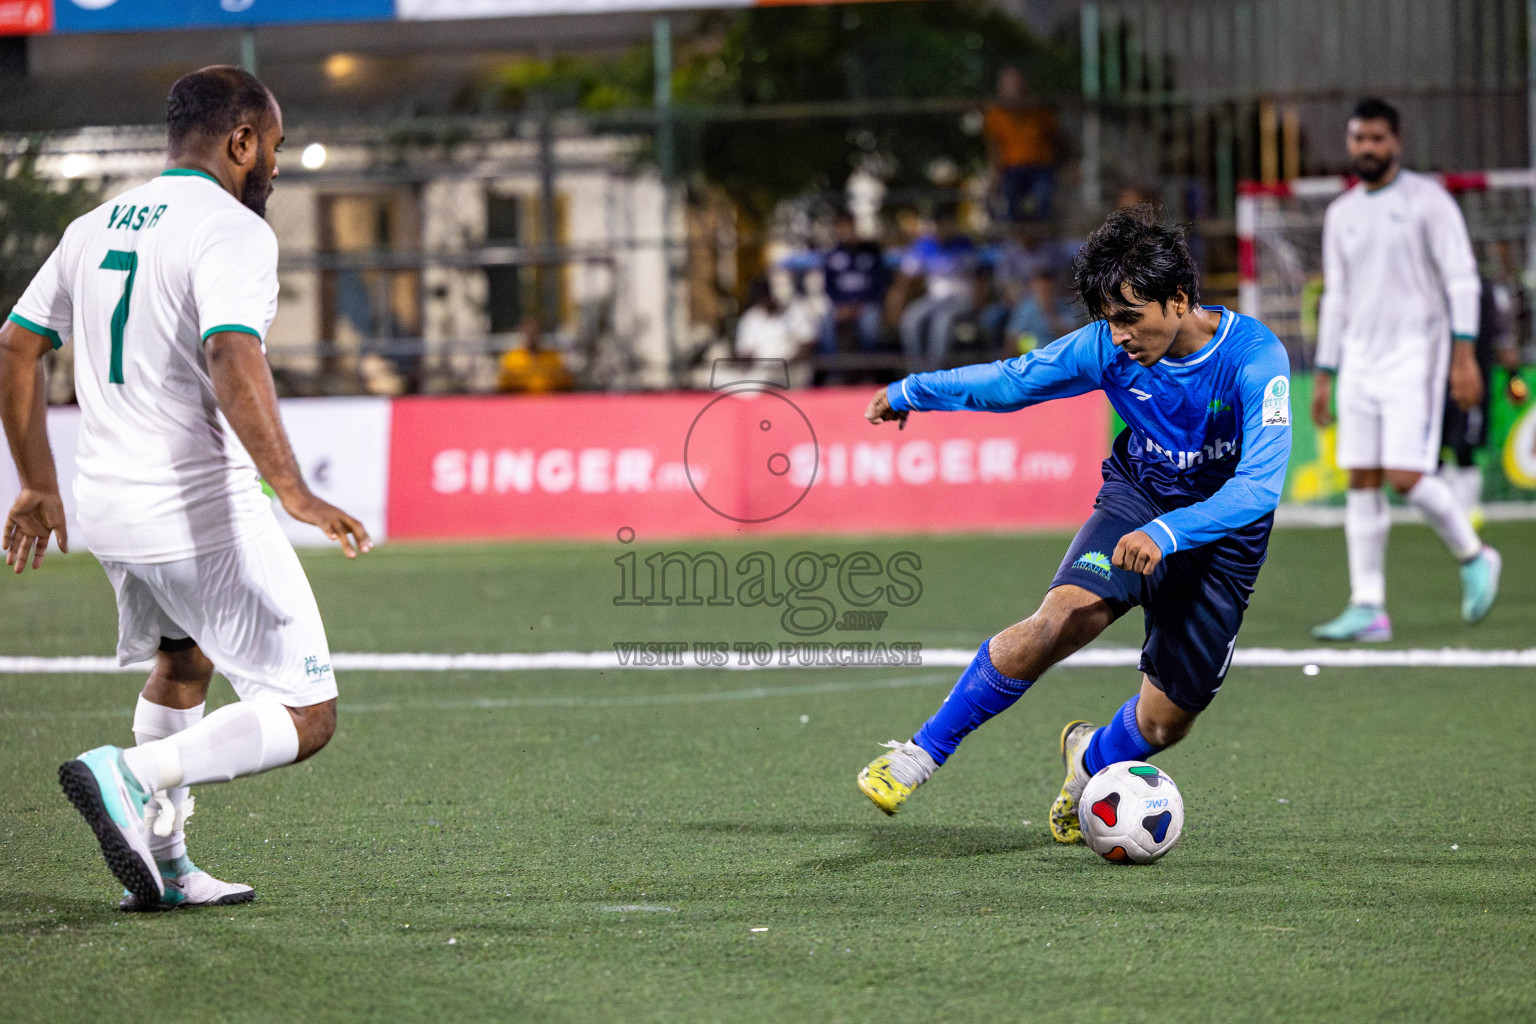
1180,526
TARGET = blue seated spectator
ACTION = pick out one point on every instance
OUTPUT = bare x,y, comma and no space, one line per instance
1040,318
1027,253
944,264
856,280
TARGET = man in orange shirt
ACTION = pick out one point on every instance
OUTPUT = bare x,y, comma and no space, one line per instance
1022,141
533,369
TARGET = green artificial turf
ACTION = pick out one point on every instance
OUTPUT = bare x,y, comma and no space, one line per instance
595,846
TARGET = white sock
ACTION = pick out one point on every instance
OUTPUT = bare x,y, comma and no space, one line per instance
1366,523
1451,474
1470,486
155,722
1432,497
238,739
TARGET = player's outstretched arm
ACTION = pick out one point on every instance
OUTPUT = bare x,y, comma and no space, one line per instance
1068,366
38,511
242,382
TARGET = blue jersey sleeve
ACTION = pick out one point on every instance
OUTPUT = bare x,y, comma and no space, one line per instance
1072,365
1264,397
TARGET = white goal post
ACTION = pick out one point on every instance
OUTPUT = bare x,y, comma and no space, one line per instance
1280,242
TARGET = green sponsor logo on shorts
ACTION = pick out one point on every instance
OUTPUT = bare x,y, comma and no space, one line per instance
1096,562
314,669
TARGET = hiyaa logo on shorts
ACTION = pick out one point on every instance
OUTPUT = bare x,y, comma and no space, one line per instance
1096,562
1277,403
314,670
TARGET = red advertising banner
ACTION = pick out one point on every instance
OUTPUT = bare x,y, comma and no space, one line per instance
25,17
746,460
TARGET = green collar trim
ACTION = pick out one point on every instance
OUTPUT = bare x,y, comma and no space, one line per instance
188,172
1379,189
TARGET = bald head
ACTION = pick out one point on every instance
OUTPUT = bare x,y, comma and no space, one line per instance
209,104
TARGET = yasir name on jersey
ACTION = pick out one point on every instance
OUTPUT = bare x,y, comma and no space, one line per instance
135,218
1277,403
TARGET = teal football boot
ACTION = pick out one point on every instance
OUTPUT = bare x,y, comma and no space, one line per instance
1359,623
112,802
1480,584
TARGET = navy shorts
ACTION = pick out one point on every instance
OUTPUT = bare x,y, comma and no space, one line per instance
1193,602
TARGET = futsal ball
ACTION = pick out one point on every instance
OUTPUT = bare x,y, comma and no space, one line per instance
1131,813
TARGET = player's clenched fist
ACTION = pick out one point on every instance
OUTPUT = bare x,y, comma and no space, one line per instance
880,409
1138,553
1322,394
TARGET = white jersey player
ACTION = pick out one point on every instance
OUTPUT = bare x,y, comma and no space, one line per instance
167,292
1399,313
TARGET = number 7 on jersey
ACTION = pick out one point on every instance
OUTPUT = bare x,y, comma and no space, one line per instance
129,261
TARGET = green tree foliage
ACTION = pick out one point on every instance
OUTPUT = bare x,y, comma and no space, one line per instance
737,81
858,56
33,215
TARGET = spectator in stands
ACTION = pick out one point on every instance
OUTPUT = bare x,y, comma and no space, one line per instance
1135,194
856,280
943,262
766,330
533,369
1022,143
1043,316
1028,251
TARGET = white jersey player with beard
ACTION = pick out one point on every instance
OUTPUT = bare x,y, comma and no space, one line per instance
138,284
167,293
1399,315
1401,281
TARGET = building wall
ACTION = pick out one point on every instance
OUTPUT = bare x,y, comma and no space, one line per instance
614,283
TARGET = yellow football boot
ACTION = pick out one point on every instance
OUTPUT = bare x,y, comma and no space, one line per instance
1063,816
890,778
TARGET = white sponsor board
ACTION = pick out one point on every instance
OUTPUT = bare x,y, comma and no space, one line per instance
63,435
342,445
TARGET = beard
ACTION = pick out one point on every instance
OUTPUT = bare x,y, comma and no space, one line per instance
258,186
1371,169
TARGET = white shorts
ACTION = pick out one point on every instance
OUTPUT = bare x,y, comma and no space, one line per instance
1391,423
248,607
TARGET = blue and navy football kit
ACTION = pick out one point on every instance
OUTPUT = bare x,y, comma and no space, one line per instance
1199,468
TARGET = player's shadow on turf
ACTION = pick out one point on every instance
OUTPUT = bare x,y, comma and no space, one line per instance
24,911
884,842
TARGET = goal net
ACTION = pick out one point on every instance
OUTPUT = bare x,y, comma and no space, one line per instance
1280,244
1280,274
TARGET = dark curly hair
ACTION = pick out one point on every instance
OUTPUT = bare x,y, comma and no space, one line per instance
1132,248
1371,108
214,102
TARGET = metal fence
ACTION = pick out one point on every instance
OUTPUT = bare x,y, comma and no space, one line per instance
416,253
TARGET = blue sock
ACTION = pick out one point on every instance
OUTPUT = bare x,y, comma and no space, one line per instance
1120,740
982,692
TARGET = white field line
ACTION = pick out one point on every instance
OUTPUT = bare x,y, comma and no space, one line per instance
1332,516
640,700
944,657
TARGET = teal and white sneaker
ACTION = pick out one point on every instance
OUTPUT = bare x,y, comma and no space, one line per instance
187,885
1359,623
112,802
1480,584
